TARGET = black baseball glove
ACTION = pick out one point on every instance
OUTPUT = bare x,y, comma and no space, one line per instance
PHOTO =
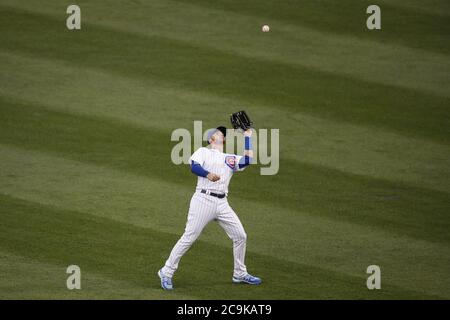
240,120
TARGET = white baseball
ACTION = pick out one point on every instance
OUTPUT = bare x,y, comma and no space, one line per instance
265,28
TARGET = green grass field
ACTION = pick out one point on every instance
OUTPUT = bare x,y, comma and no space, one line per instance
86,117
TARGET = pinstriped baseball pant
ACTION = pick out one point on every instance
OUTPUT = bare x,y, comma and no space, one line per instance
202,210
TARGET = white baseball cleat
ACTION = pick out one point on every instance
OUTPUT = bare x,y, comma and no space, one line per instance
166,282
248,278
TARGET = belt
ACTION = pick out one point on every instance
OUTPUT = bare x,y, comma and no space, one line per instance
220,196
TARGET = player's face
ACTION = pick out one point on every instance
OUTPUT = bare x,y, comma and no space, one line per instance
218,137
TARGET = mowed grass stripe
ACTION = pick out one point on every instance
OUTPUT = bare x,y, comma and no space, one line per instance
397,207
409,24
357,57
28,278
409,27
361,150
436,7
132,254
156,204
287,86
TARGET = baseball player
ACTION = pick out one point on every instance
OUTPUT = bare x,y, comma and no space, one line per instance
209,202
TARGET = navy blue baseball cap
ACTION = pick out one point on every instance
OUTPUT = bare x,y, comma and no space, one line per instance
212,131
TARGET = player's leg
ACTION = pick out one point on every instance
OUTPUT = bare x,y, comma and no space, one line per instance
202,210
232,225
230,222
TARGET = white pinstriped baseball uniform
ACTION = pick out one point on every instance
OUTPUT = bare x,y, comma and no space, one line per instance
205,208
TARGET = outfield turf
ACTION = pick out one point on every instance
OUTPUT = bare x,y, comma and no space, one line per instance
86,118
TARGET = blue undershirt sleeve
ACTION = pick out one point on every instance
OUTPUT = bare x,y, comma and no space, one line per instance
245,160
197,169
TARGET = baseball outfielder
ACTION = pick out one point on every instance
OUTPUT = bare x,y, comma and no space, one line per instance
209,202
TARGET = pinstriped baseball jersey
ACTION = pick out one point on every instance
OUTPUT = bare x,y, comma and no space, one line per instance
222,164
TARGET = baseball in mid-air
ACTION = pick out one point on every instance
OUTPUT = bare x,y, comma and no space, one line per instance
265,28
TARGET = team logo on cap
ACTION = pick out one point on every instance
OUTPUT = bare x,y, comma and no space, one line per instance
230,161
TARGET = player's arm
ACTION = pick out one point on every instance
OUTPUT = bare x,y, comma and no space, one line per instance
197,169
248,150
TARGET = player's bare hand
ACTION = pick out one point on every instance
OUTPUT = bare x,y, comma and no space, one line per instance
213,177
248,133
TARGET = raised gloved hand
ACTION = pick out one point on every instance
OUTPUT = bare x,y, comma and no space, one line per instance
240,120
